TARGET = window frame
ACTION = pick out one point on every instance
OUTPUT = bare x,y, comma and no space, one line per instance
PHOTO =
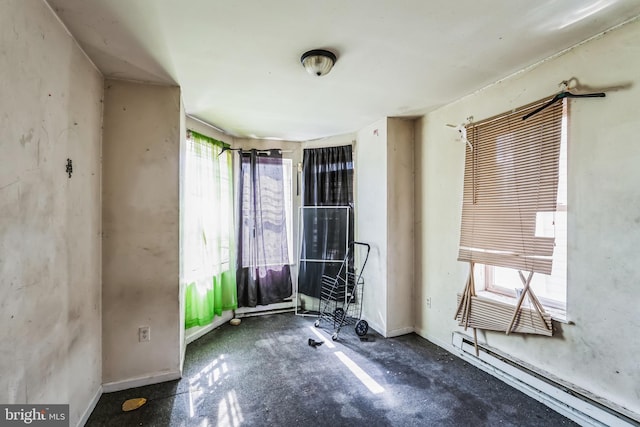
286,167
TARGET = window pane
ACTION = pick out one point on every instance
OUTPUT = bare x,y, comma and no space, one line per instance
274,195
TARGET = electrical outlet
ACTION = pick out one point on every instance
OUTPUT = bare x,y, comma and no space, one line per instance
429,302
144,333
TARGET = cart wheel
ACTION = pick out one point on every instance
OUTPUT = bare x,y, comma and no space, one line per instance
317,324
338,315
362,327
334,337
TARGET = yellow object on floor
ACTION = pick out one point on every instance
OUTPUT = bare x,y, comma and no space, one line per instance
131,404
235,322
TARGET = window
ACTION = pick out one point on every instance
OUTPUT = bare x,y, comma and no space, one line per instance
208,207
272,190
515,204
264,242
207,236
287,166
327,178
225,208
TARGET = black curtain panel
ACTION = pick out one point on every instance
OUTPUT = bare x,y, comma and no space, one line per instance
327,181
328,176
262,263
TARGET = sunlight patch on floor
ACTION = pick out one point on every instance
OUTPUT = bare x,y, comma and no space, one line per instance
209,377
369,382
229,413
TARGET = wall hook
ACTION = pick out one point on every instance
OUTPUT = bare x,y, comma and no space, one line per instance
462,130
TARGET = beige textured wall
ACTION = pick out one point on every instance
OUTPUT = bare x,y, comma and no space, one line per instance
50,262
141,158
384,219
181,298
371,219
600,351
400,262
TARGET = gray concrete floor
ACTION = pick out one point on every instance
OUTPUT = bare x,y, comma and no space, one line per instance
264,373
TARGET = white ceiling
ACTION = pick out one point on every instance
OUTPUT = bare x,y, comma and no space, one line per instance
238,62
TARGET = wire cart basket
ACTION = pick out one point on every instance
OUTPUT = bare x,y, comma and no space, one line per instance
341,296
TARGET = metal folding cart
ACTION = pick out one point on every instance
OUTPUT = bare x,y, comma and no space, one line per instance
341,296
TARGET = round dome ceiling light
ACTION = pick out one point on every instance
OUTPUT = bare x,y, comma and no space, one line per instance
318,62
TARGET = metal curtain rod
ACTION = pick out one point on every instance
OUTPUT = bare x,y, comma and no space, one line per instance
257,151
562,95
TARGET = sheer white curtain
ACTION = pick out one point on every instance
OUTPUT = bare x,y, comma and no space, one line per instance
207,240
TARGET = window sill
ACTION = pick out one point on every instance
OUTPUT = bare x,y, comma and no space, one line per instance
556,314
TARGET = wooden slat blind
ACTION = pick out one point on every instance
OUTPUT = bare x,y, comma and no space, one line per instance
510,176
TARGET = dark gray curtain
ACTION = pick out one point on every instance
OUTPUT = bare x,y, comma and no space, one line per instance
262,263
328,176
327,181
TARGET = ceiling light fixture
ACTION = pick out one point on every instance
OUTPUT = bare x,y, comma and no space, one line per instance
318,62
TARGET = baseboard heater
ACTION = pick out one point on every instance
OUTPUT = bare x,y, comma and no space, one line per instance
569,400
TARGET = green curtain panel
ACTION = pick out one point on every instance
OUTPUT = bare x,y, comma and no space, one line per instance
208,250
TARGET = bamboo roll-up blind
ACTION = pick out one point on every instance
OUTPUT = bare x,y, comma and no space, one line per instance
511,176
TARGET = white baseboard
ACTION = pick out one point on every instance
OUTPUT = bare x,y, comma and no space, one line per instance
401,331
155,378
445,345
561,397
194,333
279,307
391,333
92,405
